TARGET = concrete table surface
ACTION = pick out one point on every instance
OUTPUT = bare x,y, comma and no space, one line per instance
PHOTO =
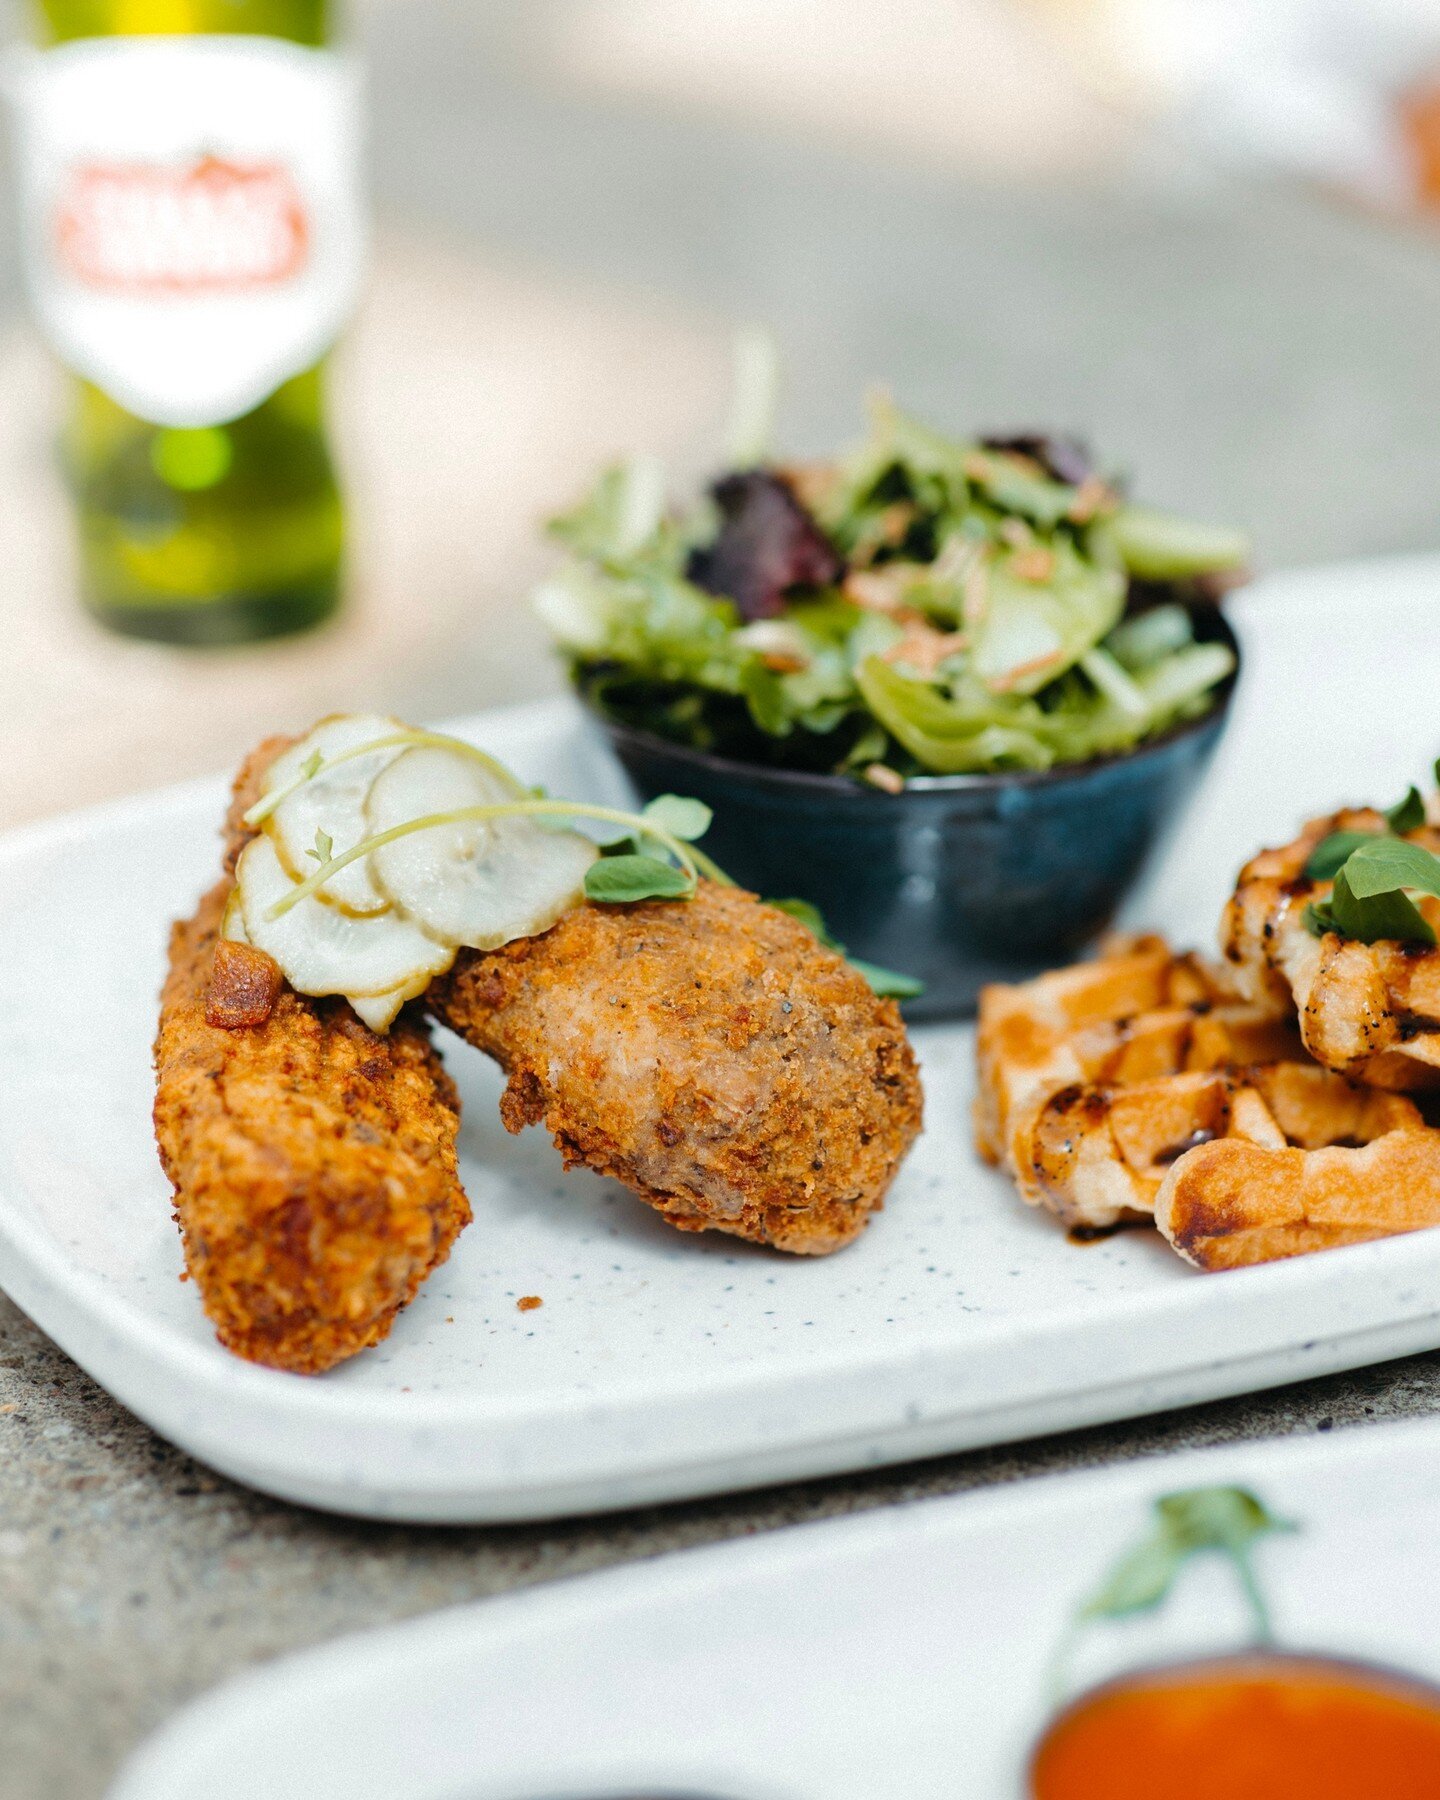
562,263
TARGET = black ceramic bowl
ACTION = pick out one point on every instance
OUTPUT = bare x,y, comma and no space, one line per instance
961,879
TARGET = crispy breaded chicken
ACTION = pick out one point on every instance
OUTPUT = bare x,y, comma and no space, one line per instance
314,1163
709,1053
1371,1011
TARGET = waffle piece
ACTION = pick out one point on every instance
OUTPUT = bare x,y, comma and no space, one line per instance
1054,1050
1197,1109
1230,1203
1101,1155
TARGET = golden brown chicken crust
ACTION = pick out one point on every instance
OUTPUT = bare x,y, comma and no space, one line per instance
314,1164
708,1053
1370,1011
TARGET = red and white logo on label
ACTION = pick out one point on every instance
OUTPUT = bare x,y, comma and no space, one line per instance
193,228
214,226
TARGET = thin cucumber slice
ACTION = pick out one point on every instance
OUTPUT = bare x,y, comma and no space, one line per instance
322,950
477,883
331,804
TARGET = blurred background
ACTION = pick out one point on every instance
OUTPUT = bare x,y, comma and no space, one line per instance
1204,233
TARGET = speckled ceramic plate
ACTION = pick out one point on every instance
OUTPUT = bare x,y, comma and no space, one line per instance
663,1365
904,1655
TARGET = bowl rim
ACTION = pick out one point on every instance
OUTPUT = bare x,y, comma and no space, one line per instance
975,783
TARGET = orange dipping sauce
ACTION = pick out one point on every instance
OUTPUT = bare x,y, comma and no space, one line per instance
1257,1727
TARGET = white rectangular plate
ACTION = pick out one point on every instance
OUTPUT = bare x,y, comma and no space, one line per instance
664,1365
904,1655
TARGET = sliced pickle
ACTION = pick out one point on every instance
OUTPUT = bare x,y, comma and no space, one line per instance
378,1010
322,950
331,805
479,883
232,920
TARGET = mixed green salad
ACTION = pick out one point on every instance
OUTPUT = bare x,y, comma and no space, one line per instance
923,605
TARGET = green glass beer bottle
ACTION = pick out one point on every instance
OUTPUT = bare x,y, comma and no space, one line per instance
193,243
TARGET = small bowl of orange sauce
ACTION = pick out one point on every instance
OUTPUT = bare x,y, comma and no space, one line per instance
1257,1726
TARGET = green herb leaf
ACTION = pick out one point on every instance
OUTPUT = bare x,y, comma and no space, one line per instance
618,880
1368,918
1407,815
1371,872
1216,1518
682,818
324,847
1318,918
811,918
1386,864
888,984
1331,854
1139,1581
312,765
1228,1520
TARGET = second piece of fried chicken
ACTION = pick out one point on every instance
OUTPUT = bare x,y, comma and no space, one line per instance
709,1053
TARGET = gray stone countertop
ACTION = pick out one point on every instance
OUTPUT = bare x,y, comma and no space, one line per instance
131,1579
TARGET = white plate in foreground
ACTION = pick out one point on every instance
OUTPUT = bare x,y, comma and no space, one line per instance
662,1365
903,1655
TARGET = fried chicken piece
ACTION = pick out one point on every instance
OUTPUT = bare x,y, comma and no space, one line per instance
709,1053
314,1163
1371,1011
1228,1204
1053,1051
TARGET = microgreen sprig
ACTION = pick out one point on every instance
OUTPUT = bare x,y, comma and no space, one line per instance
1407,814
693,862
1368,901
1370,871
623,873
888,983
1228,1521
1330,854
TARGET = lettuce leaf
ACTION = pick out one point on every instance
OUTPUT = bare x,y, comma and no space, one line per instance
979,622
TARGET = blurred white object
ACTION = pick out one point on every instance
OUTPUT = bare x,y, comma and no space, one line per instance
1315,86
975,85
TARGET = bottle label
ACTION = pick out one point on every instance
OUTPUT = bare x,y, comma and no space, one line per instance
192,219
